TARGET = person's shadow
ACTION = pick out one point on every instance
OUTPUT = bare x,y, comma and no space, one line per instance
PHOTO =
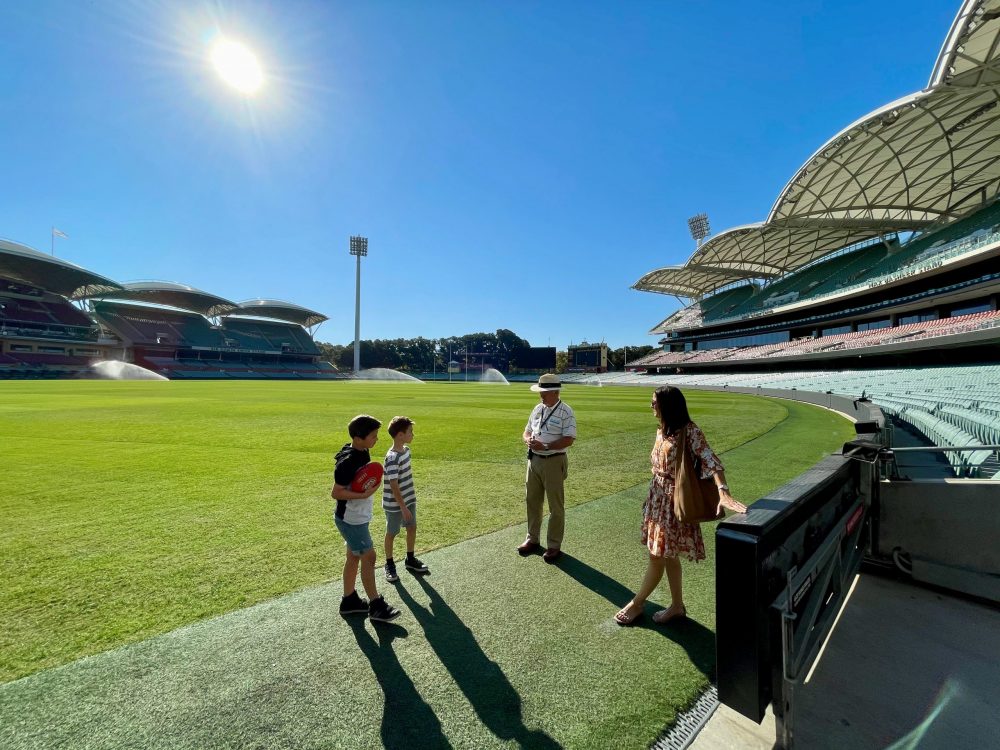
494,699
407,721
697,640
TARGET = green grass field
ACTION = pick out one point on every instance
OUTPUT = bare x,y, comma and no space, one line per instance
132,508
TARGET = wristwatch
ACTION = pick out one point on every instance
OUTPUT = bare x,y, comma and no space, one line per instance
723,487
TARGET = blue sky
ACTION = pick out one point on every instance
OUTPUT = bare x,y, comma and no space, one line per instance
514,164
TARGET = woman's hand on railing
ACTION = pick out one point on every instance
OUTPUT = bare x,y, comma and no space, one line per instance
730,503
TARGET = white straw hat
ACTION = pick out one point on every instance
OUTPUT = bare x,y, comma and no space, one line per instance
548,382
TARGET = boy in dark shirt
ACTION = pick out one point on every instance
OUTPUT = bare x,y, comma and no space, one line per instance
352,516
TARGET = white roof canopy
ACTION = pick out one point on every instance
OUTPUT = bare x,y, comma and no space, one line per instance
687,281
173,294
39,269
969,57
930,157
279,310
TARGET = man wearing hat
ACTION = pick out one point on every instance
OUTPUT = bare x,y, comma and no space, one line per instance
551,429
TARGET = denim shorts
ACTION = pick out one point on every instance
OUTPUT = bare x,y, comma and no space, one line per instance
357,536
394,520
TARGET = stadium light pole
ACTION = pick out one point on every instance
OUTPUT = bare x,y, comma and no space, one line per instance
359,249
698,225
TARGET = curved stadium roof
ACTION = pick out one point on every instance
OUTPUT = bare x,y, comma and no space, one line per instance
279,310
688,280
969,54
766,250
30,266
26,264
172,294
929,157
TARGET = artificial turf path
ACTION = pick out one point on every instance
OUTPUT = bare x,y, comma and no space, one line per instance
491,650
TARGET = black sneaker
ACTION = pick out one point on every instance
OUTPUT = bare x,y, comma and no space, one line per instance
352,604
415,566
390,571
381,611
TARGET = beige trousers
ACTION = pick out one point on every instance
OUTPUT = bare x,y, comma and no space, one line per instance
544,478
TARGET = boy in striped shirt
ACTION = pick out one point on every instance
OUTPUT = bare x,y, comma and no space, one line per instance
399,498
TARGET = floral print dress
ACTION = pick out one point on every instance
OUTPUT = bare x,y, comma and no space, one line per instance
662,533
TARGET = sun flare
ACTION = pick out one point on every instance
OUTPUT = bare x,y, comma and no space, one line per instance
237,65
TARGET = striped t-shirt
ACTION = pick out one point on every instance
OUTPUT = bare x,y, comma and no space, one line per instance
397,466
548,425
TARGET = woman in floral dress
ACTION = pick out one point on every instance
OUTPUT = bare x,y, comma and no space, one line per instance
666,538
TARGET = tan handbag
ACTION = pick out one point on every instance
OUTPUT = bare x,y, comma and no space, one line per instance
696,500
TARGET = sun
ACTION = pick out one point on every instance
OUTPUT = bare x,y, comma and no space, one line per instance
237,65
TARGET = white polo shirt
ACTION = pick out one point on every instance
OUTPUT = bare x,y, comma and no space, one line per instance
559,421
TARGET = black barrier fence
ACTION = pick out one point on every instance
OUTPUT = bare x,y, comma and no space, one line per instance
781,576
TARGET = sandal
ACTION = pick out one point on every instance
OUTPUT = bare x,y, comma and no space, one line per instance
623,618
666,615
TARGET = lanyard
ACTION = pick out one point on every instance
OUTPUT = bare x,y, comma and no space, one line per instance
545,421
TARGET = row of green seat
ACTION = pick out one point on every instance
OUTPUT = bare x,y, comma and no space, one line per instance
722,304
952,406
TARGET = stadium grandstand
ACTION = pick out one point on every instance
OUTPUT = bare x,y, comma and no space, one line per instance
57,319
875,273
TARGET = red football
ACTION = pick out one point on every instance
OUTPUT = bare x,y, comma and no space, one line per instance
368,476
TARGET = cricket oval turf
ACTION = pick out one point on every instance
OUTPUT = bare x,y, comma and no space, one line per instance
133,509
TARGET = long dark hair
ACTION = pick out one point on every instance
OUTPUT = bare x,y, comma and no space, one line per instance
673,408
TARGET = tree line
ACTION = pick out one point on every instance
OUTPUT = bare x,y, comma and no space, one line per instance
499,350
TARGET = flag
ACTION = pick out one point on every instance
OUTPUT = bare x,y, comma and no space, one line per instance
59,233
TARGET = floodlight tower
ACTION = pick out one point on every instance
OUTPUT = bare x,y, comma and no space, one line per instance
698,225
359,249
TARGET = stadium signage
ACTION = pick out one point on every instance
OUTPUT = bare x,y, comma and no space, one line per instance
904,274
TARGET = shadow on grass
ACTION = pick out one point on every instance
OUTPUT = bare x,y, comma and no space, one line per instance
697,640
407,720
494,699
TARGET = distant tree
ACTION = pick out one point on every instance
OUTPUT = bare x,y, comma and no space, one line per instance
507,342
420,354
328,351
562,361
341,357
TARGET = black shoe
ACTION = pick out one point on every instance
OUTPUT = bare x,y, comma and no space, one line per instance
415,566
381,611
390,571
352,604
528,547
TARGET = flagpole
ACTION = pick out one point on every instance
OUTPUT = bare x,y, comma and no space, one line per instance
52,239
